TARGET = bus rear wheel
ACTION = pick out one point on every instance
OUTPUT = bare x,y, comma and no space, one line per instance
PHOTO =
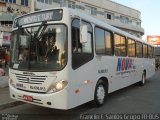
100,94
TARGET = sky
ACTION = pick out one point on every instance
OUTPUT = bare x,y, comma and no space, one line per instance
150,14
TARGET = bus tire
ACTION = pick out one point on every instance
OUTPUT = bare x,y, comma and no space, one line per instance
100,94
143,81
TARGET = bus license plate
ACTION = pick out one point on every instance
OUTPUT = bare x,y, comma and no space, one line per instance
28,98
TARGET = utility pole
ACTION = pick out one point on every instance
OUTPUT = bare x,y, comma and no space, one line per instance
32,8
1,38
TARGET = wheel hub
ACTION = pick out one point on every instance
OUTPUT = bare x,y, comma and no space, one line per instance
100,94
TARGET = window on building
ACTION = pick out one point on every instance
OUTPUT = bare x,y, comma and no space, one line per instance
93,11
71,4
120,45
24,2
9,1
135,22
131,48
139,51
124,19
109,15
50,2
47,1
138,23
57,1
6,23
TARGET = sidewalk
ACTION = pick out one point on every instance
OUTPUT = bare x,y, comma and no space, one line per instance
4,96
5,100
4,79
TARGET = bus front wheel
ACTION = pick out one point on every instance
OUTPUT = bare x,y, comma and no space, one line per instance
100,94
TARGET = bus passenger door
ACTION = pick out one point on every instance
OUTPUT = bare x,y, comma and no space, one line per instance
82,61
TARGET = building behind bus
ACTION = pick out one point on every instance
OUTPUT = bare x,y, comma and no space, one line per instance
118,15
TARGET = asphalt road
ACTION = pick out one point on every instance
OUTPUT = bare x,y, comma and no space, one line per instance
131,100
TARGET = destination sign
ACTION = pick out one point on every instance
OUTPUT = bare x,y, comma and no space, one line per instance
54,15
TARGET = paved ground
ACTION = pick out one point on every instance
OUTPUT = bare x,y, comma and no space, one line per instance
4,95
4,90
4,79
5,100
133,99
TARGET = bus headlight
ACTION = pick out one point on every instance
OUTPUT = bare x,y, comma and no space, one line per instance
58,86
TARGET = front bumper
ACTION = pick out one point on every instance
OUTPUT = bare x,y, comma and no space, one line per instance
58,100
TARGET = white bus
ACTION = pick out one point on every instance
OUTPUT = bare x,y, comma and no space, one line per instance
62,58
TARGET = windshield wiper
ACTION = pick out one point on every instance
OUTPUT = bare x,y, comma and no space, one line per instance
34,43
43,25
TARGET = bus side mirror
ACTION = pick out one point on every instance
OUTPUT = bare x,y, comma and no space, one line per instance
84,34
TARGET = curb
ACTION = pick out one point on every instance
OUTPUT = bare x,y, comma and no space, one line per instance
4,81
11,104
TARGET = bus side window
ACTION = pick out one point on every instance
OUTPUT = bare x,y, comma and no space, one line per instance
139,51
103,39
145,51
131,48
120,45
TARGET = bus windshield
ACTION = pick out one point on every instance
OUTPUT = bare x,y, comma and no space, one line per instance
39,48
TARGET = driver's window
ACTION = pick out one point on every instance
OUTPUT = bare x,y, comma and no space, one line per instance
78,47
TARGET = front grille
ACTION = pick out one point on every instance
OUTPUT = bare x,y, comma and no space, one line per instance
32,91
30,79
